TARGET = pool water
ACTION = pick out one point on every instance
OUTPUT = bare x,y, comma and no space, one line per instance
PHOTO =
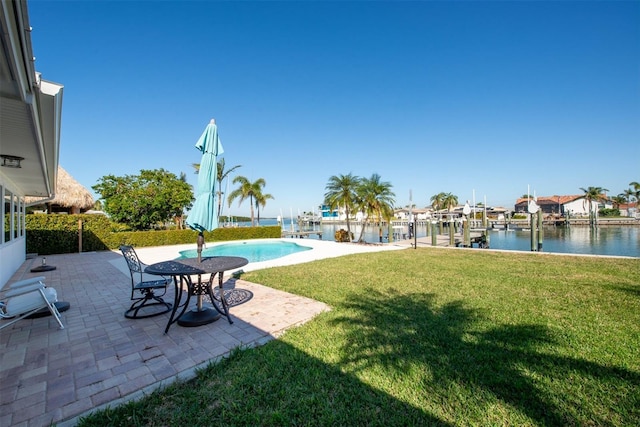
253,251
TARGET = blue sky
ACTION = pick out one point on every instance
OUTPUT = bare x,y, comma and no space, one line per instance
484,98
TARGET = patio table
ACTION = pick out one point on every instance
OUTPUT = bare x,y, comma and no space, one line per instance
182,271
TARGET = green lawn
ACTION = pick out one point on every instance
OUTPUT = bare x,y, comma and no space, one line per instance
430,336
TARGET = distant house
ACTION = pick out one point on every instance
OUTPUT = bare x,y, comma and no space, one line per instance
628,209
558,205
329,214
421,214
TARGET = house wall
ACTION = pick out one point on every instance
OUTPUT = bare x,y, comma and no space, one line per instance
12,256
578,207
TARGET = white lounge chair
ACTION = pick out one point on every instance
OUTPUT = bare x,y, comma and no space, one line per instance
26,297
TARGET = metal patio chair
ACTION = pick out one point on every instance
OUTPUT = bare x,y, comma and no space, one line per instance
150,291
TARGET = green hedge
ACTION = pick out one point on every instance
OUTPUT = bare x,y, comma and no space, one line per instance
58,234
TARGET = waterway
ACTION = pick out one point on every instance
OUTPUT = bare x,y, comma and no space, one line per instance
603,240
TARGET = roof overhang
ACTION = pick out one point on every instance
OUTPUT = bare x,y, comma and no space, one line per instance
30,108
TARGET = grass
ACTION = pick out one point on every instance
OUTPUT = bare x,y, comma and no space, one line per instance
430,337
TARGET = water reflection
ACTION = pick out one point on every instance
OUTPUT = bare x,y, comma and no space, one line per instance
609,240
604,240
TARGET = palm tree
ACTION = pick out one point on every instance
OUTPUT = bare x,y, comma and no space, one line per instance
375,198
593,194
221,174
449,201
437,201
636,189
618,200
261,200
341,191
629,196
247,190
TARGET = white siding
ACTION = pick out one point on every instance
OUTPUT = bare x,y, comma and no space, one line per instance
579,207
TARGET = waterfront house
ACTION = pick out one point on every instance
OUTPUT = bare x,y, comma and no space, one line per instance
558,205
329,214
30,117
404,213
629,209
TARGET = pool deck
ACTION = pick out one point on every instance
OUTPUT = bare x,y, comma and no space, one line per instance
55,376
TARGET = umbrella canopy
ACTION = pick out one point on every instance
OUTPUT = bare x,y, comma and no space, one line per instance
203,214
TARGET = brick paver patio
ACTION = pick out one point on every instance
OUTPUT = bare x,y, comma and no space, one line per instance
53,376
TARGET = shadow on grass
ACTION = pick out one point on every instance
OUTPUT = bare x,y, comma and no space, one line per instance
272,385
513,364
633,291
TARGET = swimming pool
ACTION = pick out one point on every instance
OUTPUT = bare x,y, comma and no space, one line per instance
253,251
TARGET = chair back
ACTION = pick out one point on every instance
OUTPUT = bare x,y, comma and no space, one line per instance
133,262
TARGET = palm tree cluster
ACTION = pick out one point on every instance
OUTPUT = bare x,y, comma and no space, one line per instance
598,194
631,194
444,201
371,196
246,190
253,192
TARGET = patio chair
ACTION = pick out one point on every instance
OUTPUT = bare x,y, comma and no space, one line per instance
26,298
146,288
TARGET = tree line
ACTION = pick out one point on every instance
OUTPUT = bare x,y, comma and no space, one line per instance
157,197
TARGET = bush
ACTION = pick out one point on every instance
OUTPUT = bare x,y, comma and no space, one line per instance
609,212
343,236
59,234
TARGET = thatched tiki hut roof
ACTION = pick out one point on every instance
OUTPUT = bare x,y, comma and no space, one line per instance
71,197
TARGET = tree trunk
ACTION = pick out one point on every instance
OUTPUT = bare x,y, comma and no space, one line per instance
348,225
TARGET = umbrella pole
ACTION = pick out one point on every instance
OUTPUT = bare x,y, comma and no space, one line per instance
200,243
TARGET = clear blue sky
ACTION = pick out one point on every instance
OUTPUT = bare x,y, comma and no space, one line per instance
460,97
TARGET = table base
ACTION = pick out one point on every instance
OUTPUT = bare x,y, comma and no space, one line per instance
41,268
198,318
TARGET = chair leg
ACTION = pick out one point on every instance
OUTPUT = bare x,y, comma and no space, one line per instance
53,309
15,319
132,312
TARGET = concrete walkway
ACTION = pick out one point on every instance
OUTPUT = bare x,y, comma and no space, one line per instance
53,376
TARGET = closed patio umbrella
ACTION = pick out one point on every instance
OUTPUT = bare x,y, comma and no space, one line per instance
202,216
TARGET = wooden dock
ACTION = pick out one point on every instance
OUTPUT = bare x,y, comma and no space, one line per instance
301,234
444,241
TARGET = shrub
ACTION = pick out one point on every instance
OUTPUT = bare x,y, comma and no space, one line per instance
343,236
609,212
58,234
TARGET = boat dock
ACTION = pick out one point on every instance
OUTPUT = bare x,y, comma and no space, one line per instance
477,238
301,234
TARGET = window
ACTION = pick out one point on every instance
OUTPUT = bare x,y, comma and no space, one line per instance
15,215
22,217
2,226
12,209
7,214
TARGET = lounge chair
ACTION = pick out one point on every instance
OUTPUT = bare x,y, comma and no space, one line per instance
26,298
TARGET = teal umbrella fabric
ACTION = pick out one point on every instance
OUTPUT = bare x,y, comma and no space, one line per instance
203,214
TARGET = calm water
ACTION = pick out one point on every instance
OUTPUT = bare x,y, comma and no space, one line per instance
622,240
253,251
